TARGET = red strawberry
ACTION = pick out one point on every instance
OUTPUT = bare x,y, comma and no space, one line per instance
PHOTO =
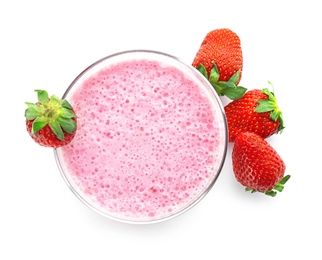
256,164
220,60
257,111
50,122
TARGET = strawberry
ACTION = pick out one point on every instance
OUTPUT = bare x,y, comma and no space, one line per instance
220,60
51,122
256,164
257,111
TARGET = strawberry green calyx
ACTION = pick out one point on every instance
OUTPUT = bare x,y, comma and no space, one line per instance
52,111
278,187
270,105
223,88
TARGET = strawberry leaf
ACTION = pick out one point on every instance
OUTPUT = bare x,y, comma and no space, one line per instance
65,104
55,127
66,113
265,106
279,187
234,92
42,96
284,179
251,190
214,75
69,125
202,69
220,86
54,100
234,78
38,124
271,193
32,112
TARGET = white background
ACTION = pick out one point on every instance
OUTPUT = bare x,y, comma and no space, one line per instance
47,44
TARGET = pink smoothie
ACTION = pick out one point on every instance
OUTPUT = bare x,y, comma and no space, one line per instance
150,141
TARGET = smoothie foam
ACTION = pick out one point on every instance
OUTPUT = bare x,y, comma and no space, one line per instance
151,140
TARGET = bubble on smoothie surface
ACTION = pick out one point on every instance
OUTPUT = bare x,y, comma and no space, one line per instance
147,140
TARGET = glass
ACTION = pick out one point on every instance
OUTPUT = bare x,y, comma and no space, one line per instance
151,138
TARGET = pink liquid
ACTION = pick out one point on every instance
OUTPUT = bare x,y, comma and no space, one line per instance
149,141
